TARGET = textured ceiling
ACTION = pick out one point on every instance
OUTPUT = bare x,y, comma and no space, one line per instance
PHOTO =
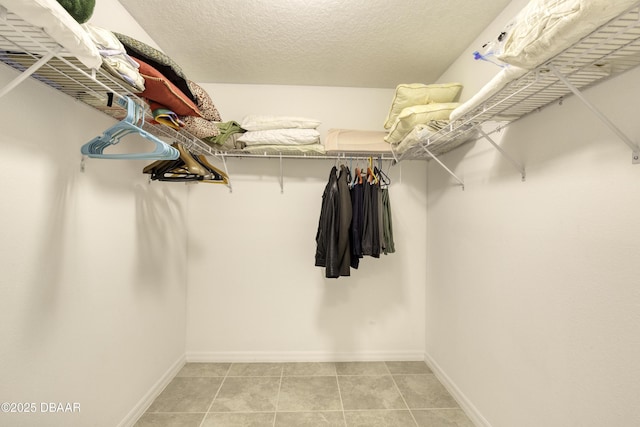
355,43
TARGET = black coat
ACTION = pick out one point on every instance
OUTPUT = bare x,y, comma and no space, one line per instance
333,250
344,225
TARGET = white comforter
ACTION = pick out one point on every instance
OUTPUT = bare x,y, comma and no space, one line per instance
545,28
59,25
540,31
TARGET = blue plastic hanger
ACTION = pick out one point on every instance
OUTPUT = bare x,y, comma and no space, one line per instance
129,125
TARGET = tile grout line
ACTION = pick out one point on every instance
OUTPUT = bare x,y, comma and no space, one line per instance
216,395
344,416
401,396
275,412
302,411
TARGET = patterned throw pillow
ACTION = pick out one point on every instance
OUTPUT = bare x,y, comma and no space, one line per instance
199,127
204,102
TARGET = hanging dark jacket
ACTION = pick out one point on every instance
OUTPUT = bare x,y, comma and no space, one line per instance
344,227
327,254
370,230
357,222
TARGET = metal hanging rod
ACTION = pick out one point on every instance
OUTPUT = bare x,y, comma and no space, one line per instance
304,156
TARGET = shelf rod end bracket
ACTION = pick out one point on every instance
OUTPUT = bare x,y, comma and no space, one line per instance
634,147
449,171
281,176
515,164
226,171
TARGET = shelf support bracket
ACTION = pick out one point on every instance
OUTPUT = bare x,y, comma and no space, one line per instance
460,182
29,71
635,159
281,176
226,171
515,164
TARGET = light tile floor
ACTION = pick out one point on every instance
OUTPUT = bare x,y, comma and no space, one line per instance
371,394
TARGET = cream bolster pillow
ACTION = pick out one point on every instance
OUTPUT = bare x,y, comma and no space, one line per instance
262,122
408,95
499,81
281,137
410,117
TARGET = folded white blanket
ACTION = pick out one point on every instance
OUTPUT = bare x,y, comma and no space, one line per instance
59,25
545,28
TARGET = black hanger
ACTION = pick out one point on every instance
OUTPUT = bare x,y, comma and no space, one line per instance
188,167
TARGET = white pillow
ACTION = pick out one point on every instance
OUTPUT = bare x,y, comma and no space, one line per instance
418,114
281,137
408,95
256,122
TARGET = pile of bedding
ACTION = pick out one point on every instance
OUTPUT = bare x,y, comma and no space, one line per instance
541,30
544,28
265,134
417,111
174,100
423,105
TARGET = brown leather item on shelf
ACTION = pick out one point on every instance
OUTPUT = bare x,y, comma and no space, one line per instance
159,89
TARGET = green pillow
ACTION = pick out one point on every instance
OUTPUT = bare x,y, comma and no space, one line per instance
80,10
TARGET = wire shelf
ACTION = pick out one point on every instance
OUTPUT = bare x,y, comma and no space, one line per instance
607,52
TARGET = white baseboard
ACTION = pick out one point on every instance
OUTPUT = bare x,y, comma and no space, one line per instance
469,408
150,396
301,356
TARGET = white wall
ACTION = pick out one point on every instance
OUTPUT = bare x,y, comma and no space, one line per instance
532,291
92,290
473,74
254,292
336,107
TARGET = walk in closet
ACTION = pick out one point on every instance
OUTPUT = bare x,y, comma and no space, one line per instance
521,295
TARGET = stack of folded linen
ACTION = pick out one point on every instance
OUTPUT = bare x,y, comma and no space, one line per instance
115,58
280,135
